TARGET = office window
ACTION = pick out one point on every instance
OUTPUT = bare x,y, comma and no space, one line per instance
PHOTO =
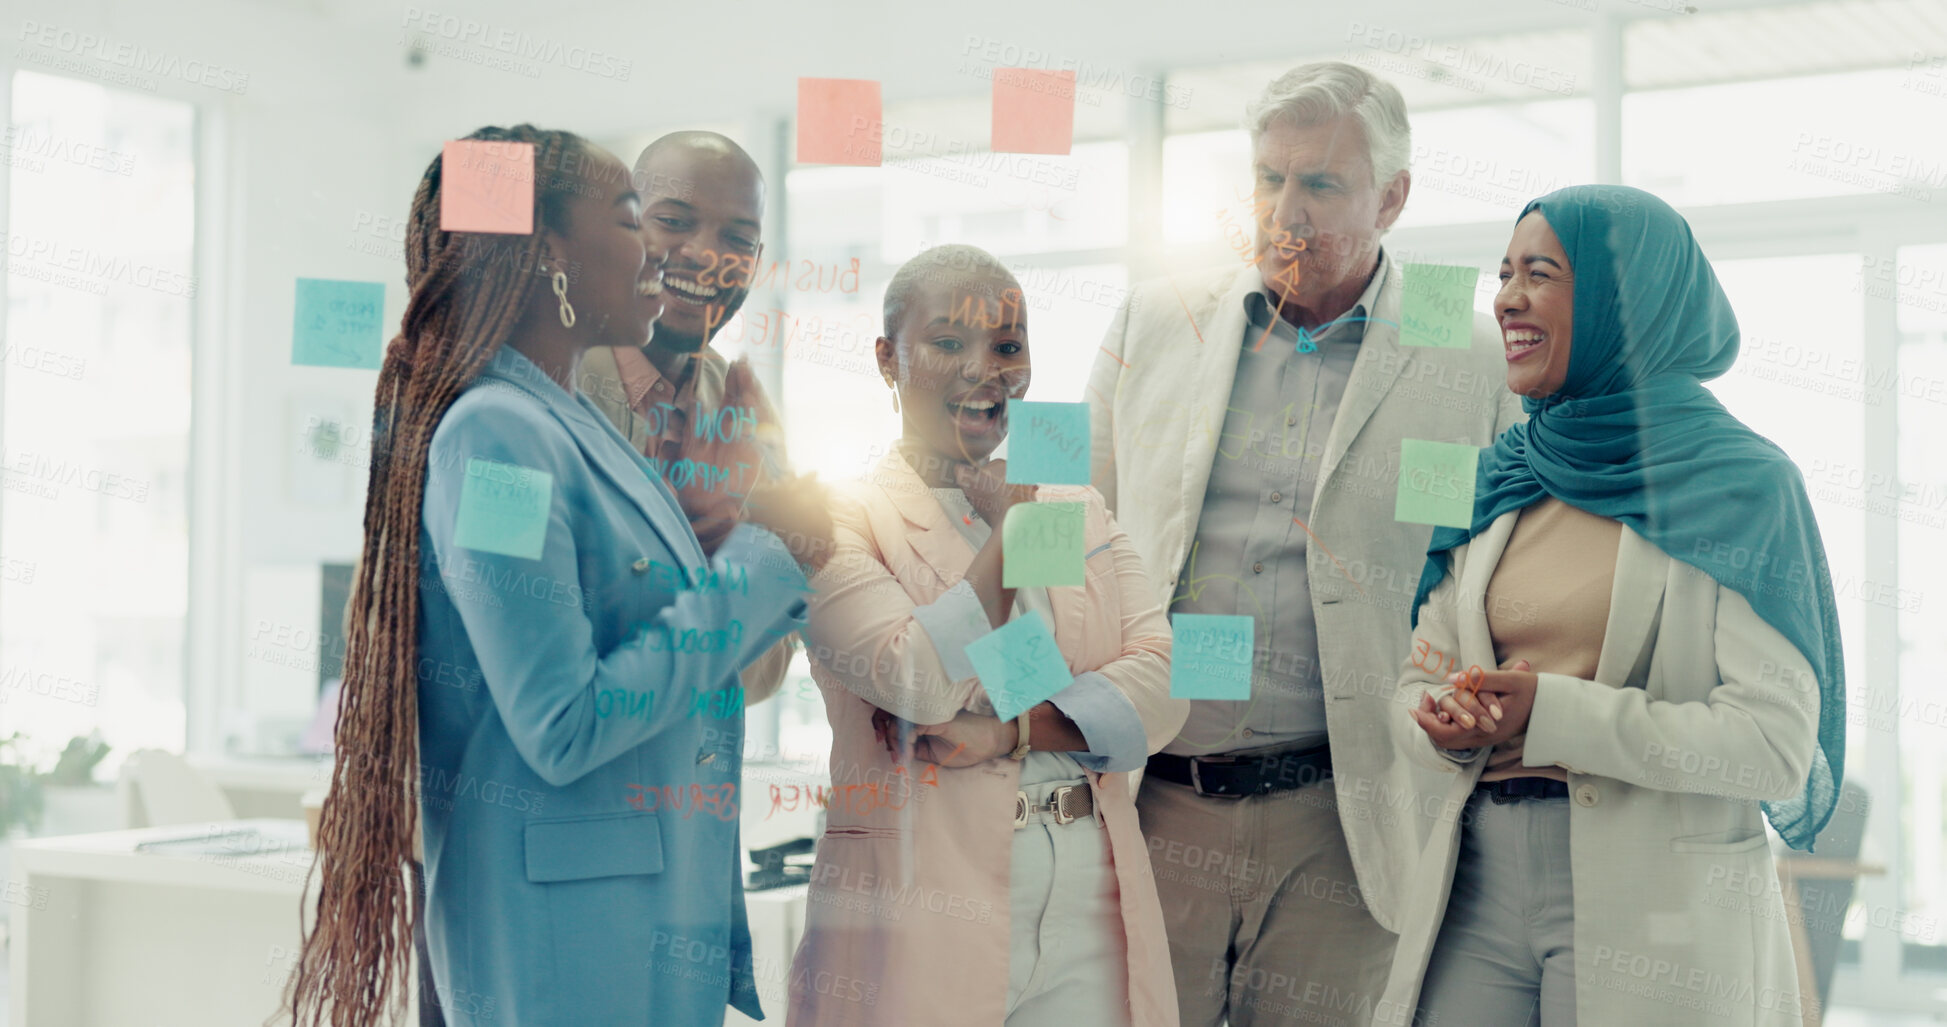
94,521
1850,134
1206,187
1057,221
1029,210
1919,711
1810,415
1486,163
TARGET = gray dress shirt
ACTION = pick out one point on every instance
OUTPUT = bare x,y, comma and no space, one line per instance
1249,555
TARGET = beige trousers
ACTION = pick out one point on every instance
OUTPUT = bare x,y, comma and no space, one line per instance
1265,918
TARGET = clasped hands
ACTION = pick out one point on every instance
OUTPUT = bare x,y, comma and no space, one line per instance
966,740
1486,707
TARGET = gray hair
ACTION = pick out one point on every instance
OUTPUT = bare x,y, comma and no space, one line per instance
953,260
1312,93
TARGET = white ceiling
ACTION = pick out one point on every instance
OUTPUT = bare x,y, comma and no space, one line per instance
735,62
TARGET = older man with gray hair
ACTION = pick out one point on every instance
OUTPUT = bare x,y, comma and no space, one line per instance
1251,417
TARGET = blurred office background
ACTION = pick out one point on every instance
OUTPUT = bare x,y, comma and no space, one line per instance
181,501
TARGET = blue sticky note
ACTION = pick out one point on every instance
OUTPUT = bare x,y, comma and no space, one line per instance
504,509
1041,545
337,324
1019,665
1210,656
1048,443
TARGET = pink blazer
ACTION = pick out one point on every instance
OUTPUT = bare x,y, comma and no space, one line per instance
908,915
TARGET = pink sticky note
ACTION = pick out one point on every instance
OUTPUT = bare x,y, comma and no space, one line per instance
1034,111
487,187
839,121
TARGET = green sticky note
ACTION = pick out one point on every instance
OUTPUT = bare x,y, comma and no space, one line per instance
1436,483
337,323
1019,665
504,509
1048,443
1041,544
1210,656
1438,307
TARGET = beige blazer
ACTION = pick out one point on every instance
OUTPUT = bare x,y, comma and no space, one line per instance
1157,401
1698,710
909,895
601,382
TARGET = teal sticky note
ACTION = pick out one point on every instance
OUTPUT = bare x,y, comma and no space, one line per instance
1438,306
1048,443
1019,665
1041,544
337,323
504,509
1210,656
1436,483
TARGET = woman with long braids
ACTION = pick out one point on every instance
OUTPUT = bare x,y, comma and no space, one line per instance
539,648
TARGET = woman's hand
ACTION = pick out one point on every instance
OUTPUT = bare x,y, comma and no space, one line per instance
966,740
1485,707
987,489
798,511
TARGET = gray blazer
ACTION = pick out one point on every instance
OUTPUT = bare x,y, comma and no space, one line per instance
1157,400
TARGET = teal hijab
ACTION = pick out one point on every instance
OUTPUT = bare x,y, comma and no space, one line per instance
1633,435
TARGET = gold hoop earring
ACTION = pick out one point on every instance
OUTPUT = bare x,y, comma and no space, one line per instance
561,291
895,395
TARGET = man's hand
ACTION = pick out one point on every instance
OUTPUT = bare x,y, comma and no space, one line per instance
738,450
1485,707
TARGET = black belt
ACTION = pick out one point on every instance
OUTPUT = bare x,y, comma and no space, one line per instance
1514,789
1234,777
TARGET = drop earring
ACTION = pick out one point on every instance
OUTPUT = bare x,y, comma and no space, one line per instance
561,292
895,395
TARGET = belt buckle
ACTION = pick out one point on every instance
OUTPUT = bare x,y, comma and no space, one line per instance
1196,778
1058,804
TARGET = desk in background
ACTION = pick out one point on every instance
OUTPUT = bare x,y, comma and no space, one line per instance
106,934
262,786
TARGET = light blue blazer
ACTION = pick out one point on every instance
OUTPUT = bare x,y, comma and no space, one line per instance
581,721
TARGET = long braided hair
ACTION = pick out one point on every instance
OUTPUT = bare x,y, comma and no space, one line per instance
468,291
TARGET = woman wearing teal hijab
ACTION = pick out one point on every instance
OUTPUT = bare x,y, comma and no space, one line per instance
1600,854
